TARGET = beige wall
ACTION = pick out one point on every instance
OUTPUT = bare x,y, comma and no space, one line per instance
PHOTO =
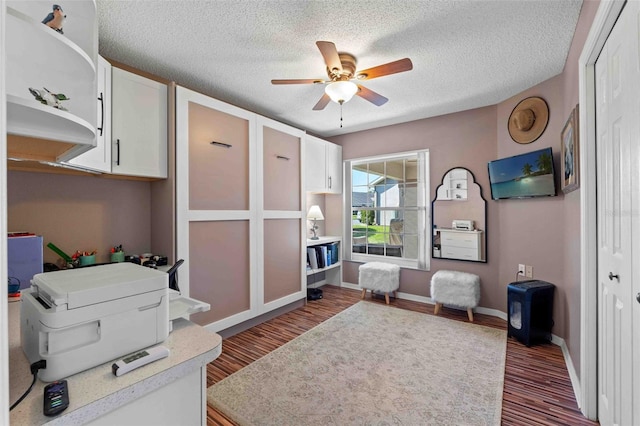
80,213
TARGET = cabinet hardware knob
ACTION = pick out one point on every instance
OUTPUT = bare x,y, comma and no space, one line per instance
611,276
222,144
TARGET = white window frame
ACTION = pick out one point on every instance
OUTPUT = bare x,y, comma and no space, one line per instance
423,261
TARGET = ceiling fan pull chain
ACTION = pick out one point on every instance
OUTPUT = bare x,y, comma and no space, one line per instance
341,114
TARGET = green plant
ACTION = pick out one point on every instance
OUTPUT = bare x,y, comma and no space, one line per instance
368,217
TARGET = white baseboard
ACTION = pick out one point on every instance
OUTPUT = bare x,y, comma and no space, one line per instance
492,312
428,300
348,285
559,341
573,375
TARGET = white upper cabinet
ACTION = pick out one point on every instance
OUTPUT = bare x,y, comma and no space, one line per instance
99,158
334,168
315,164
138,125
39,57
323,166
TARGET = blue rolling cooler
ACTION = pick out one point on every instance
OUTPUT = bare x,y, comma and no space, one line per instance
530,311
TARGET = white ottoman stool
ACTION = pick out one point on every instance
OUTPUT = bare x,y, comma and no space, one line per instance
379,276
460,289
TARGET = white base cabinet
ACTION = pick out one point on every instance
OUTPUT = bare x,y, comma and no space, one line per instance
182,402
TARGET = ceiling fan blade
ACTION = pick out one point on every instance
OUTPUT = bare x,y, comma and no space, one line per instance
298,81
330,55
371,96
394,67
324,100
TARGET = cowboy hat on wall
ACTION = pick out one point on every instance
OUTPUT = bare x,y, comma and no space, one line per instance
528,120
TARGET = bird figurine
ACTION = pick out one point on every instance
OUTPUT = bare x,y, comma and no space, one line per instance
55,19
47,98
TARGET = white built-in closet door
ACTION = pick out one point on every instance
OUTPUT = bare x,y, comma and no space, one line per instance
215,219
618,197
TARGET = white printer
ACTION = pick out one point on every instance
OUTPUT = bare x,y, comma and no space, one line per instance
463,224
77,319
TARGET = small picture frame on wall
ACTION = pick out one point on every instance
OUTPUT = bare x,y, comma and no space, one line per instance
569,157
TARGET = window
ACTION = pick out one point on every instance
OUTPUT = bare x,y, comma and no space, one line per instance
388,209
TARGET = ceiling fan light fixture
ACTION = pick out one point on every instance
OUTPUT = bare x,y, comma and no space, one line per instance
341,91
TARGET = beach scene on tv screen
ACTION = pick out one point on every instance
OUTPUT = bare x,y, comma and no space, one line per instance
527,175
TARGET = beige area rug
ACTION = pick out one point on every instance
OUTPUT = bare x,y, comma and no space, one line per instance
373,364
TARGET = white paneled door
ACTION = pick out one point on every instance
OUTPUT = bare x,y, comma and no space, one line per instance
618,177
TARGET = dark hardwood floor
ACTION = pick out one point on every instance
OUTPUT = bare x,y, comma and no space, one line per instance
537,389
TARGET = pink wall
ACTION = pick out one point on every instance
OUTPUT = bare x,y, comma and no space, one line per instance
466,139
544,233
532,229
555,234
80,213
572,200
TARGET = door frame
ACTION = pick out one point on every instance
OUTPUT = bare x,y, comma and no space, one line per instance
603,23
4,328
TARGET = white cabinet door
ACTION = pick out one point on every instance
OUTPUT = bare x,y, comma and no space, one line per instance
315,164
139,125
99,157
323,166
334,168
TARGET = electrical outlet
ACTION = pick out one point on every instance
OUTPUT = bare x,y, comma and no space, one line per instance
521,269
529,271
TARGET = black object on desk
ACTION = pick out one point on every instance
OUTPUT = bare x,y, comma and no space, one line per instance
173,275
56,398
530,311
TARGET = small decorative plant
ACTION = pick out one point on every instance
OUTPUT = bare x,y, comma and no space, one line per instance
47,98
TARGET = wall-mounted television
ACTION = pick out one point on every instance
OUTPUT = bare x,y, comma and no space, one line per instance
523,176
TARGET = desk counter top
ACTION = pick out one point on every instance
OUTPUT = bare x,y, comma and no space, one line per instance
97,391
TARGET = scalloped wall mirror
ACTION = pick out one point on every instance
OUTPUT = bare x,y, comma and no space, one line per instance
459,218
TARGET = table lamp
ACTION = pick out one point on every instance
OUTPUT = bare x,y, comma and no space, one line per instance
316,214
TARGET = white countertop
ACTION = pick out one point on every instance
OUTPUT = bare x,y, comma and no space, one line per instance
97,391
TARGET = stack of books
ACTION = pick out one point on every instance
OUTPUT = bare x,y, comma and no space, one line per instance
322,255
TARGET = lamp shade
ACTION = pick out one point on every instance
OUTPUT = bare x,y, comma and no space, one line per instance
315,213
341,91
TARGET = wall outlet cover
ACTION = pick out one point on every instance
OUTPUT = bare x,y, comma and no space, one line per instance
529,271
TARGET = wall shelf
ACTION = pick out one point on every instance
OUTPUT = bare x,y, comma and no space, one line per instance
332,273
43,40
39,57
28,117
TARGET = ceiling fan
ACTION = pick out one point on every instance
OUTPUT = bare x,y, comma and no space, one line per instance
341,69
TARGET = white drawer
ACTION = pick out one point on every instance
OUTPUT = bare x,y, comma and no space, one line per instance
452,252
460,239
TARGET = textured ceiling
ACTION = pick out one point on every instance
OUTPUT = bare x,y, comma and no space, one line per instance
465,54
